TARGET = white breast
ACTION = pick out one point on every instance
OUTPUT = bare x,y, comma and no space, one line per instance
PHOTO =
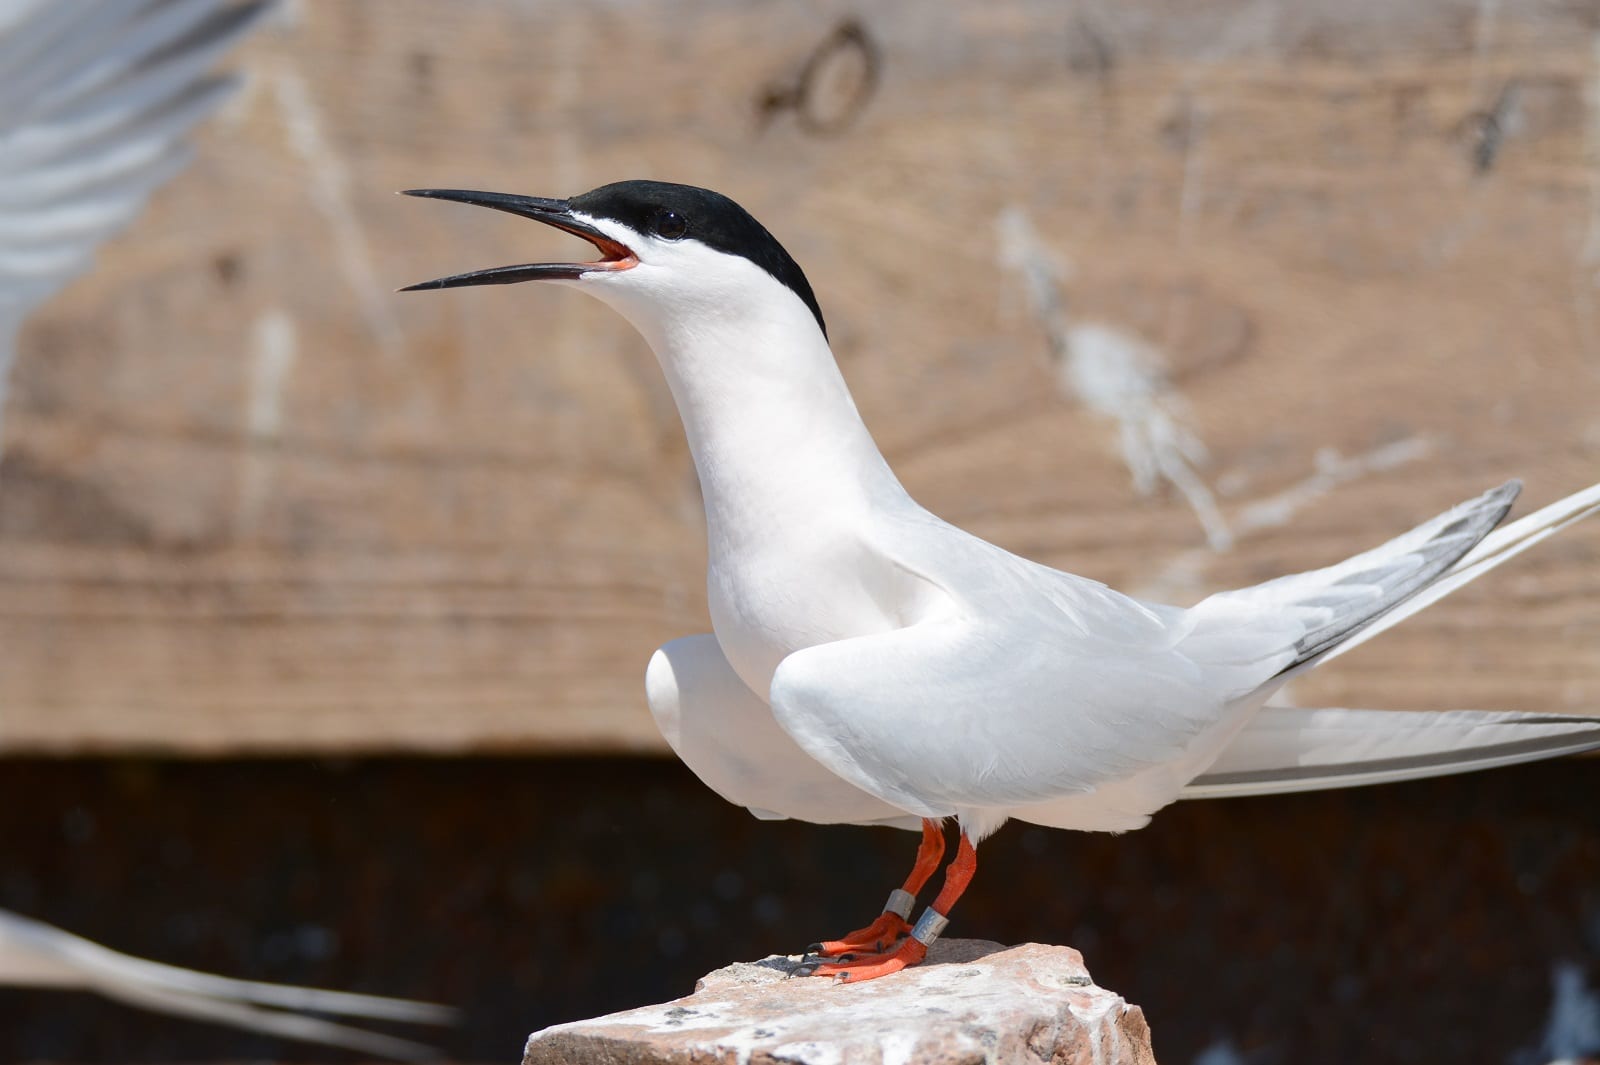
804,591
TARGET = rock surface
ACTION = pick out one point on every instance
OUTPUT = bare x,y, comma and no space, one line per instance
972,1001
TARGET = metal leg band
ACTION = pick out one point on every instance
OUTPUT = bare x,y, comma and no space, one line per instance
901,903
929,926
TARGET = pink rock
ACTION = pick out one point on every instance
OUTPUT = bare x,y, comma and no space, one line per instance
971,1001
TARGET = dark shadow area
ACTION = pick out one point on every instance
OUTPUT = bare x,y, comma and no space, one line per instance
1409,923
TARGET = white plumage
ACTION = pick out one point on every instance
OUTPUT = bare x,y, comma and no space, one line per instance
1129,754
38,955
870,663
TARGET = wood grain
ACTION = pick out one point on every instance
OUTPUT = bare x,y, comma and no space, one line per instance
252,500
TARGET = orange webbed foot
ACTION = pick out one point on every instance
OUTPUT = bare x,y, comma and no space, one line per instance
878,936
871,967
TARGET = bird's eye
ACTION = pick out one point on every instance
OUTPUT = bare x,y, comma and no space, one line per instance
670,225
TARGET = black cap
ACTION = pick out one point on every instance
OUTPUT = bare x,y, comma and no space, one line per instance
686,212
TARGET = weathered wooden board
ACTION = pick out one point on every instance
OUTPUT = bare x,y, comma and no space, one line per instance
252,500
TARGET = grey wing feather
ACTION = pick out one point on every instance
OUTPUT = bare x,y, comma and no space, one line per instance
1283,749
1289,623
1499,547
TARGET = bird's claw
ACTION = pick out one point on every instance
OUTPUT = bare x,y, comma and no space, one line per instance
805,967
814,960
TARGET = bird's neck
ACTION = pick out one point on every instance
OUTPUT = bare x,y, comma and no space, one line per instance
777,441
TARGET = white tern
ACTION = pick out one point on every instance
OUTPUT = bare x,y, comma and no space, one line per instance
870,663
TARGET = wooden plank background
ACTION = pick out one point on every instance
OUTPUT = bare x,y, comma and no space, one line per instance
251,500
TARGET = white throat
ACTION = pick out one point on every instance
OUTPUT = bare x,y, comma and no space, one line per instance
777,441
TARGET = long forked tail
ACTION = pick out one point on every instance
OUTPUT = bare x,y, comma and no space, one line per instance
1285,749
36,954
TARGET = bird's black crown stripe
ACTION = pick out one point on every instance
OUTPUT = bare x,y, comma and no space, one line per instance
709,217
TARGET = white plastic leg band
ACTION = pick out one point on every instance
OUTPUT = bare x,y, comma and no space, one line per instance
901,903
929,926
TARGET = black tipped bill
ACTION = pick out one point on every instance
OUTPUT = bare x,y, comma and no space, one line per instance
557,213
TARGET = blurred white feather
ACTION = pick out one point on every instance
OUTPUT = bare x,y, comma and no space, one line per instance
96,100
1573,1031
35,954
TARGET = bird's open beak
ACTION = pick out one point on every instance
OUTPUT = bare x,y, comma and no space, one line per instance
558,213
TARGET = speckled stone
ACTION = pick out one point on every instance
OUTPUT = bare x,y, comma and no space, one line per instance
971,1001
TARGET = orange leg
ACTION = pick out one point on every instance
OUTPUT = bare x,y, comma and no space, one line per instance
892,924
915,947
